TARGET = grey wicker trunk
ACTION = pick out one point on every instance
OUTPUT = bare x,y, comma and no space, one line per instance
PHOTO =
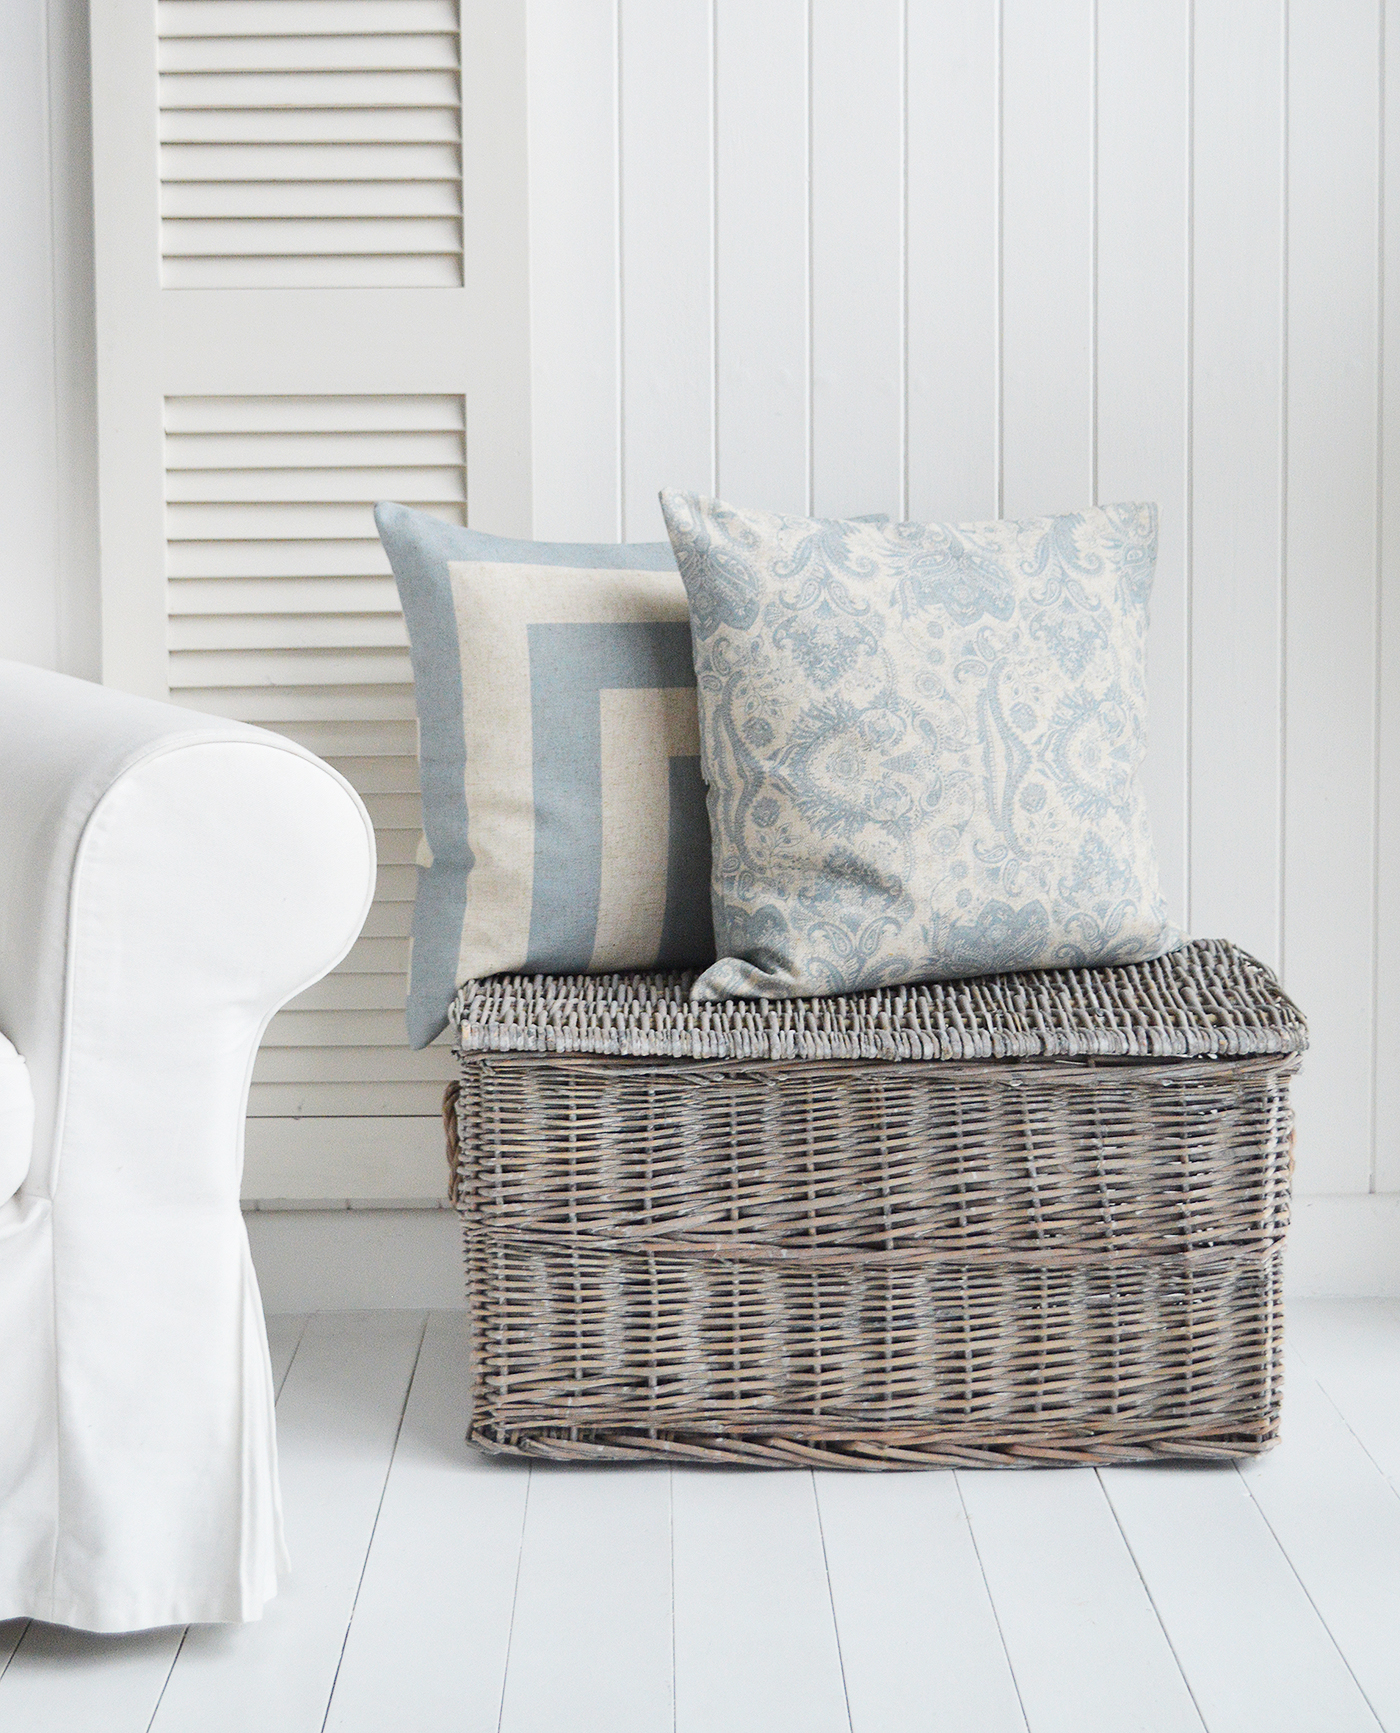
1021,1219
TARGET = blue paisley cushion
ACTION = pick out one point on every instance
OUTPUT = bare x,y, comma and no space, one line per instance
922,745
564,827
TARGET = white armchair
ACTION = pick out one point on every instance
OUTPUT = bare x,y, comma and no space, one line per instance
167,881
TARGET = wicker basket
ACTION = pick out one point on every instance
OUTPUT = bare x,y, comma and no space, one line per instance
749,1234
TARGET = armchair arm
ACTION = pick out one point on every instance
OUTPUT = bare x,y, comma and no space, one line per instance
266,831
167,881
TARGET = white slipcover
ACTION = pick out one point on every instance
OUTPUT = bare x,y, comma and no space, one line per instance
167,881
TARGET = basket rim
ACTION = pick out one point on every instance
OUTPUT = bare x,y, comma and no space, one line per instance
1206,999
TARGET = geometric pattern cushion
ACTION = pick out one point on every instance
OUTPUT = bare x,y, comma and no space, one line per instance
563,813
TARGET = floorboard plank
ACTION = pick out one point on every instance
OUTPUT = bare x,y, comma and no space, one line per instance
427,1646
1086,1646
1352,1348
284,1333
63,1681
756,1647
1338,1520
919,1639
1278,1586
337,1423
591,1641
1252,1647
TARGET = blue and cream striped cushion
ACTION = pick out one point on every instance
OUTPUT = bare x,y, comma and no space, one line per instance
563,813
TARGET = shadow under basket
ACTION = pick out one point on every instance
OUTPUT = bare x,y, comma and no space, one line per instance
1021,1219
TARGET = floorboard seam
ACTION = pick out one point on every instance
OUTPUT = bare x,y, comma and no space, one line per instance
13,1652
671,1537
1151,1601
169,1674
515,1597
831,1599
991,1600
1307,1593
378,1509
1341,1413
301,1336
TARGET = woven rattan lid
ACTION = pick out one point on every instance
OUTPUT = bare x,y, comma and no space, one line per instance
1206,999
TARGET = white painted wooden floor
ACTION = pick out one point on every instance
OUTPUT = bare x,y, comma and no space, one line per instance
434,1589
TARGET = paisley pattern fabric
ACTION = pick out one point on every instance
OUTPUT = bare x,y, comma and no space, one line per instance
921,744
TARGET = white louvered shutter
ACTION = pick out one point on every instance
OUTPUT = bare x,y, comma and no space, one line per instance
289,330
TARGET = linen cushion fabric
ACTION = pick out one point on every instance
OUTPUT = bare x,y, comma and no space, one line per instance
922,744
563,813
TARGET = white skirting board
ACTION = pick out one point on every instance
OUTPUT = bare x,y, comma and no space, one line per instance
380,1160
351,1257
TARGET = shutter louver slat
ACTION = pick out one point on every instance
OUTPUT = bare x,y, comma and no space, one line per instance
262,164
310,144
293,710
318,559
322,127
379,200
420,51
283,612
182,18
287,596
437,485
292,668
245,450
236,631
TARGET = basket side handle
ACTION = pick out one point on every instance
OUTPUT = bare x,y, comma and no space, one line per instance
449,1125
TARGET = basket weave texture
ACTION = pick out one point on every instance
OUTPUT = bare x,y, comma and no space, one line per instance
787,1251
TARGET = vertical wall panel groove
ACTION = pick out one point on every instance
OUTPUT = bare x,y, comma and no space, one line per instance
1378,626
1094,195
1188,458
1236,693
904,259
666,93
1385,1173
575,274
761,252
952,264
1142,377
1332,459
714,246
1047,256
1000,382
857,149
1283,467
810,360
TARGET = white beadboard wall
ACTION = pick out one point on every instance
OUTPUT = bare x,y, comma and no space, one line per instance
943,258
962,260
